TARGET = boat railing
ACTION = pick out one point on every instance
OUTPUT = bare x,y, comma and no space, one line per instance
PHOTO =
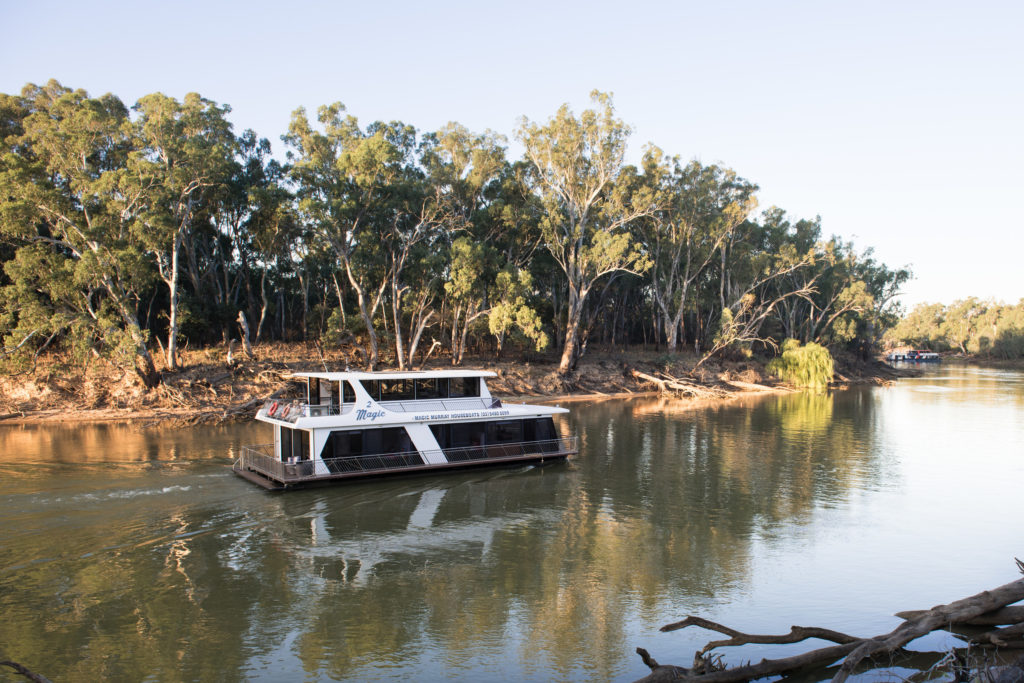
442,405
561,446
261,459
293,410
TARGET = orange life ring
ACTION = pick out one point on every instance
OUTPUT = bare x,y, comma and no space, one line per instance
272,410
284,413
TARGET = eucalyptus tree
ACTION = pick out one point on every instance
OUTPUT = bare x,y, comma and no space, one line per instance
839,291
921,326
270,228
411,229
238,242
460,165
793,241
760,279
698,209
341,177
578,164
491,229
73,207
185,152
961,321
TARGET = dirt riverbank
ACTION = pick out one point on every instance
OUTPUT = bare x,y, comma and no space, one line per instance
207,389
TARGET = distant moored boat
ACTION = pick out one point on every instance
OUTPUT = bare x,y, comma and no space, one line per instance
914,356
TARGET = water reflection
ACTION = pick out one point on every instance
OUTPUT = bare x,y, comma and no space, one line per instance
144,559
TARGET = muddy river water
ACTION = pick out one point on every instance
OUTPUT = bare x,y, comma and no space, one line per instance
130,553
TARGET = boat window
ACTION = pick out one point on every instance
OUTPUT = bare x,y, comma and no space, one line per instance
545,429
431,388
396,390
313,391
286,443
392,440
343,444
443,435
508,431
460,387
335,394
349,393
467,434
372,387
294,444
349,443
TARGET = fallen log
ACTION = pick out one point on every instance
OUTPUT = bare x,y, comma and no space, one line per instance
999,617
854,651
933,619
667,385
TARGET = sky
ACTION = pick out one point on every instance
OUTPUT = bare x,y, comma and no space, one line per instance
898,123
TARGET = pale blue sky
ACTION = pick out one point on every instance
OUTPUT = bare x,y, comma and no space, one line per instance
898,122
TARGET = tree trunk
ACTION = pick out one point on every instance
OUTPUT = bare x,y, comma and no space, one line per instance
171,279
396,313
371,360
264,305
244,324
574,314
456,347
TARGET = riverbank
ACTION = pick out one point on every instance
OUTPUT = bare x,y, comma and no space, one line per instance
208,390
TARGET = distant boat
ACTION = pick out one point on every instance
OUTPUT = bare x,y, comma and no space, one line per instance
914,356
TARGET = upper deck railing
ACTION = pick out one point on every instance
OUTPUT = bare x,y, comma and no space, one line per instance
292,411
426,405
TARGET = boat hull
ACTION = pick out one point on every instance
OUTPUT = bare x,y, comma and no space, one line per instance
275,479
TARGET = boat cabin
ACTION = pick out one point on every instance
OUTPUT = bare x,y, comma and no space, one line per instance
357,424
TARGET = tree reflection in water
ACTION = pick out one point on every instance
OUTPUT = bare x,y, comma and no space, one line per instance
182,573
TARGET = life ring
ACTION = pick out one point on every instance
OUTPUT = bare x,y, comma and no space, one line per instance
284,413
272,410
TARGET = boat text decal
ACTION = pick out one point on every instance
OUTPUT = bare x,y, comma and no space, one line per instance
462,416
367,414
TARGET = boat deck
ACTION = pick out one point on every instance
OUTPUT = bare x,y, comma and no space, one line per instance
255,465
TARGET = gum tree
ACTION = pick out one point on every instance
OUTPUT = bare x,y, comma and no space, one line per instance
698,209
185,153
73,207
578,166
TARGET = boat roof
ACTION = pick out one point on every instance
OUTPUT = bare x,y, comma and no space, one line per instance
408,374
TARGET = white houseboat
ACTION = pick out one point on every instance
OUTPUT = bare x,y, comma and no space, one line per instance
370,424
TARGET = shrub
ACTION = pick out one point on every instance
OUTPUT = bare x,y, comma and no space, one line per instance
808,366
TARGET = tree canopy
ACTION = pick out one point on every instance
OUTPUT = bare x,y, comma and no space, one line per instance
130,230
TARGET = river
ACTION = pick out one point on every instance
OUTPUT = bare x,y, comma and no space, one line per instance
131,553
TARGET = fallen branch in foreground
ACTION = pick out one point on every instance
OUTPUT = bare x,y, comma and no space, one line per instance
988,608
27,673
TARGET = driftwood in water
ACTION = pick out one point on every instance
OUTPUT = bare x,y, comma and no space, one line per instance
989,608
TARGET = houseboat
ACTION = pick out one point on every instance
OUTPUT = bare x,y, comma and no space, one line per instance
351,425
914,356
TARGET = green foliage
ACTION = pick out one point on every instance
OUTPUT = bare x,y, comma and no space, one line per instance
588,203
513,310
122,225
968,325
809,366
